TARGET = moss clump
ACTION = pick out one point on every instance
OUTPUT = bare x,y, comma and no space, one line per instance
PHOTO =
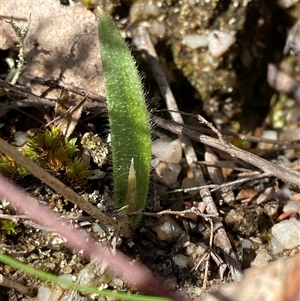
10,169
77,171
8,226
51,150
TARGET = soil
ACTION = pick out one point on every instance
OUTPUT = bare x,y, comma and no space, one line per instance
247,105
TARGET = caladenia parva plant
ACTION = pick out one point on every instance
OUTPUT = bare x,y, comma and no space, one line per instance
131,151
128,119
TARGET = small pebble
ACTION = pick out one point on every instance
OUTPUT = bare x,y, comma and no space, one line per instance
195,41
285,3
246,243
287,233
44,293
286,191
276,246
167,228
167,173
143,10
67,270
67,277
56,242
34,256
180,260
290,133
154,162
268,134
189,183
166,150
219,42
262,258
157,29
20,138
117,284
195,251
292,205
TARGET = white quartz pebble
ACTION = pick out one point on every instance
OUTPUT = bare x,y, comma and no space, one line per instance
44,293
287,233
20,138
285,3
180,260
143,10
219,42
168,172
157,29
268,134
262,258
167,228
195,40
166,150
276,246
292,206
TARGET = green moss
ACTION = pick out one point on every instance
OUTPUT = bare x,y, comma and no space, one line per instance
10,169
8,226
78,171
52,151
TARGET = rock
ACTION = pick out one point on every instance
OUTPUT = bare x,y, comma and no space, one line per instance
167,173
189,183
166,150
287,233
219,42
167,228
195,40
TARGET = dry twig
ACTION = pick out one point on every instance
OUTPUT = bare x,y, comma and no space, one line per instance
227,133
58,84
143,42
17,286
120,226
270,168
97,105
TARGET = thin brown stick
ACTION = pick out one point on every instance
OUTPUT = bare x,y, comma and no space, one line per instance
228,185
181,213
120,226
204,286
143,42
227,133
4,281
216,176
59,84
275,170
32,100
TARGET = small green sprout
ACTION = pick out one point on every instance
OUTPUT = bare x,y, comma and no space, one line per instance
71,147
8,226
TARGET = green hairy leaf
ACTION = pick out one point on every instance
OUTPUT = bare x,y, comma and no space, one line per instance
128,118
